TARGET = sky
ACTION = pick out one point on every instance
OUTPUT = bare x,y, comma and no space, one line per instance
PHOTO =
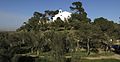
14,12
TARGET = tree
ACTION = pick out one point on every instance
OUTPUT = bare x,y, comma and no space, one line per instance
104,24
36,23
51,13
79,11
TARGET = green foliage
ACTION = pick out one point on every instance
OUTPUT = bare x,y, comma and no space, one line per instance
80,13
51,13
57,39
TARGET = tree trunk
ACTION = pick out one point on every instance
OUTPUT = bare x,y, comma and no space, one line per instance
32,50
38,52
77,46
88,46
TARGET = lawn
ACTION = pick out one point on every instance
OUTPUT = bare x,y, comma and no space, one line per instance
102,60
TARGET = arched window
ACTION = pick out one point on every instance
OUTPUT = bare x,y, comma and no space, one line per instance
60,11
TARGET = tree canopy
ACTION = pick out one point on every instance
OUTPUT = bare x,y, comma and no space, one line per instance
39,35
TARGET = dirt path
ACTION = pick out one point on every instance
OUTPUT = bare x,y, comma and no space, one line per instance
115,56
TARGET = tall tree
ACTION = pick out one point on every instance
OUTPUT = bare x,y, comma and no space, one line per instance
78,8
51,13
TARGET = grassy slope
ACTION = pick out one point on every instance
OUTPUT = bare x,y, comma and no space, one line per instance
103,60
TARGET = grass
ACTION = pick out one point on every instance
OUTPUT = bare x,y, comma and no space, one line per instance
77,56
102,60
84,54
84,60
107,54
101,54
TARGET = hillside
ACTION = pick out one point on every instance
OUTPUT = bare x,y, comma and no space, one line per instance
60,41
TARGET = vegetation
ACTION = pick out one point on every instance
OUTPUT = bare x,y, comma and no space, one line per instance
103,60
59,40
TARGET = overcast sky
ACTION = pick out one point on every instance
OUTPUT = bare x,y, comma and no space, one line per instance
14,12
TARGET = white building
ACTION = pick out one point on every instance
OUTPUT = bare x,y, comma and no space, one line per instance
63,15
